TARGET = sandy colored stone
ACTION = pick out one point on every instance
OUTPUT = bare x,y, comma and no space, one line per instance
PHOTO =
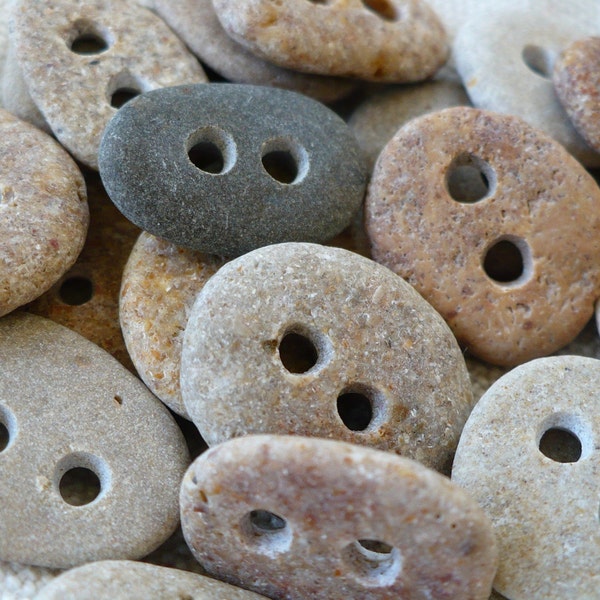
128,580
4,12
196,23
86,298
576,78
541,498
74,89
283,516
387,40
494,47
537,200
372,335
43,212
68,404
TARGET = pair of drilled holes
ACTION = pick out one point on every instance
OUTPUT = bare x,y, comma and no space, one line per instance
382,8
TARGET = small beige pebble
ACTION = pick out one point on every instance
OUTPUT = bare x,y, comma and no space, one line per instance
128,580
82,59
296,518
529,456
380,40
44,213
298,338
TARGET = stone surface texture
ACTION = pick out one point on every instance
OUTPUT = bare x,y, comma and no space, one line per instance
576,78
197,24
394,41
67,404
528,33
372,333
545,512
426,537
73,89
539,200
44,213
129,580
239,205
4,12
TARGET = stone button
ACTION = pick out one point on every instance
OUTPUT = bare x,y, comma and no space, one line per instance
318,341
293,517
91,462
537,476
239,167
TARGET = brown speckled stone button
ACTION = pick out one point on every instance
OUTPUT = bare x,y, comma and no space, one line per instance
295,518
495,224
312,340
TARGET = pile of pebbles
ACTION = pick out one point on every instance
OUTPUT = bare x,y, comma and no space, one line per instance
297,299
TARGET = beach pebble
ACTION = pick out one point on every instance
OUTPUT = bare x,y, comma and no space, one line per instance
294,518
318,341
576,78
196,23
129,580
518,79
92,460
43,212
82,59
383,40
514,268
537,476
242,166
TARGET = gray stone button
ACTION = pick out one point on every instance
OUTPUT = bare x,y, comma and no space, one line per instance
226,168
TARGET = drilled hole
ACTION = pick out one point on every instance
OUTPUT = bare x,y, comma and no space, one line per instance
79,486
89,43
375,563
504,262
211,150
539,60
76,291
355,410
469,179
207,157
4,436
560,445
122,96
383,8
281,166
268,532
297,353
264,522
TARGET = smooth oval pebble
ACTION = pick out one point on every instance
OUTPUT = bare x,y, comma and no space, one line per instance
78,425
513,268
383,40
296,518
129,580
537,476
240,167
82,59
44,213
318,341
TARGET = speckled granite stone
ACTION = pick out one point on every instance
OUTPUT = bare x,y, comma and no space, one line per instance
4,12
241,167
43,212
536,475
73,415
311,340
386,40
196,23
296,518
515,271
128,580
78,56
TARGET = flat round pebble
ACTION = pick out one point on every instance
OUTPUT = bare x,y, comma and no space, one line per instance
537,476
129,580
196,23
576,78
82,59
43,212
311,340
390,40
518,79
92,461
242,166
514,268
296,518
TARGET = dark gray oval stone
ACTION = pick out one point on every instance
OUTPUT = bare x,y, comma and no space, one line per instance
226,168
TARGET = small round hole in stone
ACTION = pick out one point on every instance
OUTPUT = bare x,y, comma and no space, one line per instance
383,8
207,157
373,562
4,437
211,150
539,60
87,38
508,261
297,352
560,445
266,531
355,409
470,179
285,160
122,96
79,486
76,291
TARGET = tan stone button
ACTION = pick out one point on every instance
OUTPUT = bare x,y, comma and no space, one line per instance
318,341
495,224
43,212
92,462
529,456
295,518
